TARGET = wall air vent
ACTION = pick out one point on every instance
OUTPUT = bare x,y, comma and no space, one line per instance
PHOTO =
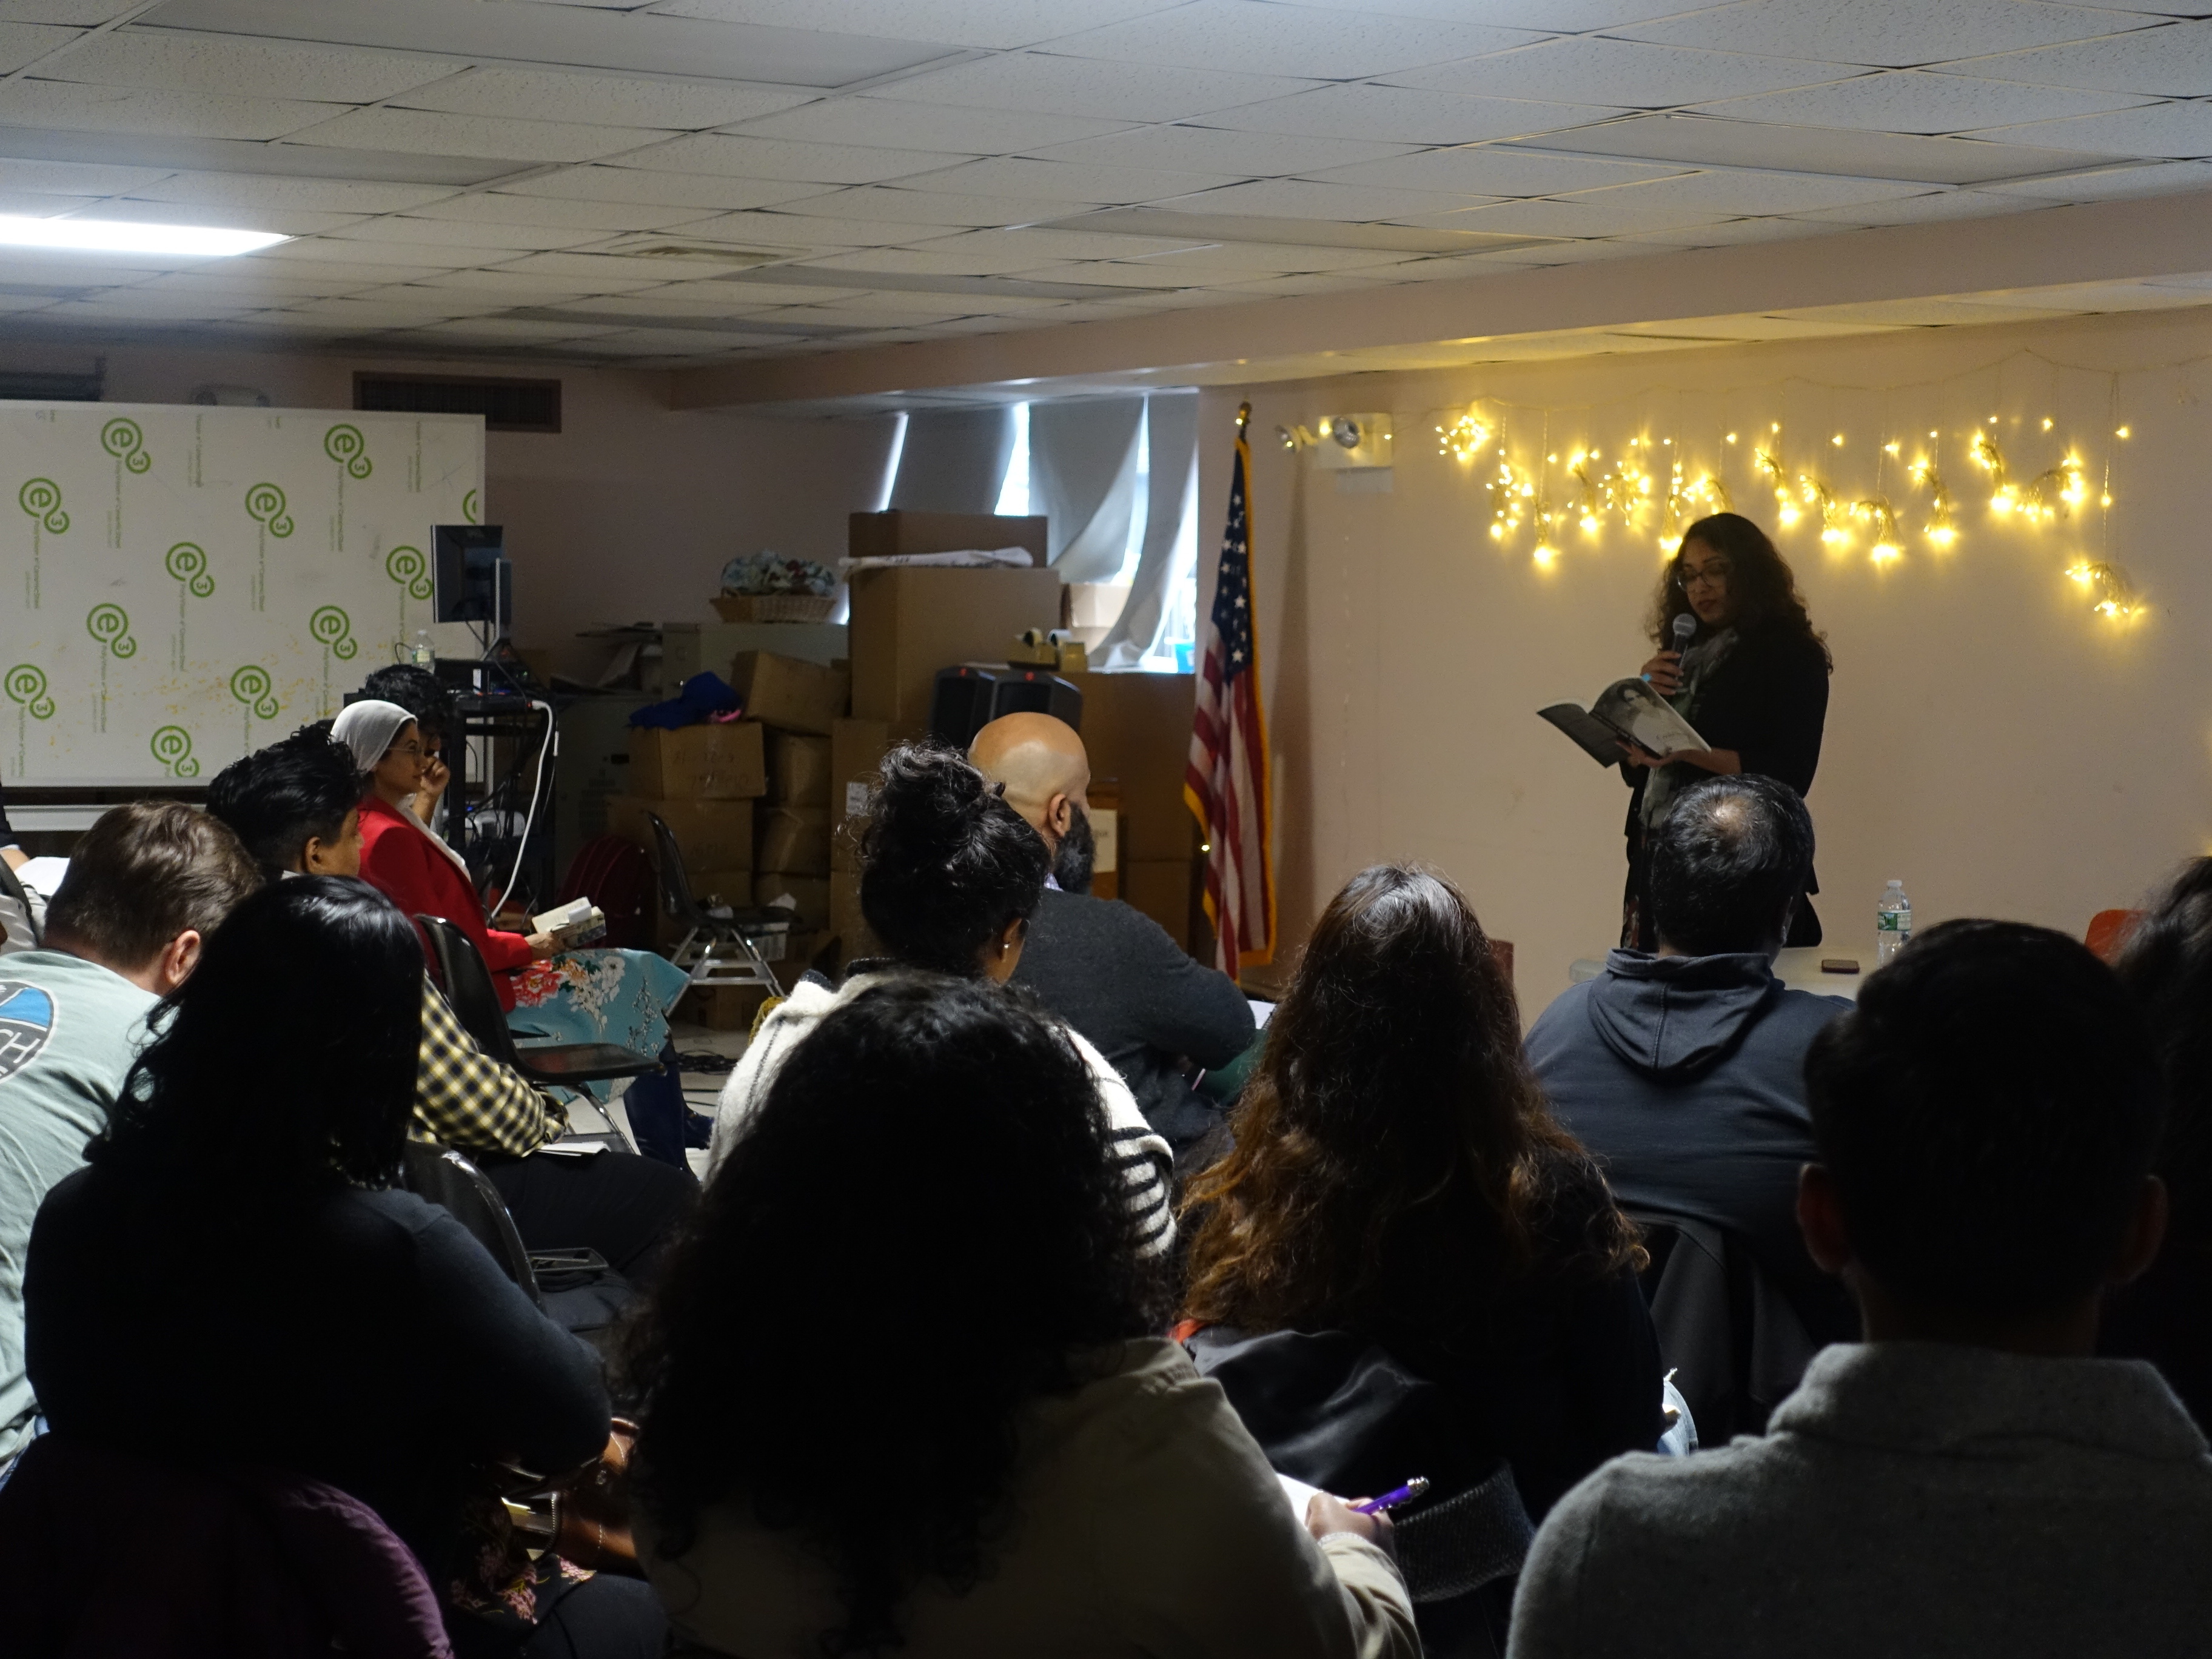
506,405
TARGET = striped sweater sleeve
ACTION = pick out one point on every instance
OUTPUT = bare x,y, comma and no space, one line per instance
1147,1164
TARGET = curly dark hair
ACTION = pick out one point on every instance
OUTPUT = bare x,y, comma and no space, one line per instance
945,864
2166,966
1393,1084
1760,581
287,1062
418,690
918,1233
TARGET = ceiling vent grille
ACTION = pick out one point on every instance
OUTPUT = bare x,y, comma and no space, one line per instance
506,405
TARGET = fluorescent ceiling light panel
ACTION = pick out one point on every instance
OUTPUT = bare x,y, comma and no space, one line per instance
122,236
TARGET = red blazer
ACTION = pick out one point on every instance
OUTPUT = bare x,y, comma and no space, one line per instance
399,862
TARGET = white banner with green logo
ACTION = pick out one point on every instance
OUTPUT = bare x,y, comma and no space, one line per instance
189,583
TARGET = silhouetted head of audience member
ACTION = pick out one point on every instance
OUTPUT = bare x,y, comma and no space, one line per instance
1728,861
296,805
927,1193
1393,1082
2166,965
287,1062
1987,1117
1041,763
1072,865
950,874
147,884
421,693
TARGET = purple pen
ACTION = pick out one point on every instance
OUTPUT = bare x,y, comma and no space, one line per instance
1390,1500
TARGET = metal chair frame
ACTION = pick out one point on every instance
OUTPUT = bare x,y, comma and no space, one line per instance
713,950
468,988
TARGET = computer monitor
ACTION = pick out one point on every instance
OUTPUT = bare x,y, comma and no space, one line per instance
471,579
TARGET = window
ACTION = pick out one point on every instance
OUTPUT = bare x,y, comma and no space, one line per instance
1014,493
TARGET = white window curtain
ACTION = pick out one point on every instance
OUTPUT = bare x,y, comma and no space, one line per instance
1082,471
1172,421
954,460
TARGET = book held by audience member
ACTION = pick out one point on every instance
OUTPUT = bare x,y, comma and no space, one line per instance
1968,1480
1107,968
902,1388
949,878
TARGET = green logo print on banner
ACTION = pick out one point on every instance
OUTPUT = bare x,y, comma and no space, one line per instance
345,444
27,690
407,567
333,629
188,562
265,505
468,508
251,686
41,498
111,625
172,747
125,440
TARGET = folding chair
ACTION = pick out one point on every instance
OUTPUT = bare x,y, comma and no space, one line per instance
715,950
476,1005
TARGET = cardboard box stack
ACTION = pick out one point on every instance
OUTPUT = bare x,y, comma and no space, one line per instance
799,703
701,781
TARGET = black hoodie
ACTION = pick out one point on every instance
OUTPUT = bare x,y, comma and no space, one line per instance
1683,1077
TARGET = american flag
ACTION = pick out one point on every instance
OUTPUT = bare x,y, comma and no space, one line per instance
1226,780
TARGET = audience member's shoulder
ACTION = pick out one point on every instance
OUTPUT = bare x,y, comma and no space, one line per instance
1652,1507
1807,1009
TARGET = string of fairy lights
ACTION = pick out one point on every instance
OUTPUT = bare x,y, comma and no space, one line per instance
1649,488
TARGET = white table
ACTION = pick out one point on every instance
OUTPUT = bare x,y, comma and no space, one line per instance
1798,969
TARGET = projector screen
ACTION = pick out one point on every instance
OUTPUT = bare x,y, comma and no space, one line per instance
184,584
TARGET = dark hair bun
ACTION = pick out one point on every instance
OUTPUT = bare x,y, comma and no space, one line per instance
945,863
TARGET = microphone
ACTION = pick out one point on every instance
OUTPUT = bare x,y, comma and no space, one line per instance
1685,626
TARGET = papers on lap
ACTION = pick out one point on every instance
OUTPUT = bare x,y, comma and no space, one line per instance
1627,710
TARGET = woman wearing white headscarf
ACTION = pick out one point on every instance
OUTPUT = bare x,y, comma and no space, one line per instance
621,997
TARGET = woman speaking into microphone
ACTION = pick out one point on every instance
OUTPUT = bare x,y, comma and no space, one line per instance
1753,680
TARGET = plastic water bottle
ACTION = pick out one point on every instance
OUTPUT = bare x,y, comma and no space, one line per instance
1893,921
422,655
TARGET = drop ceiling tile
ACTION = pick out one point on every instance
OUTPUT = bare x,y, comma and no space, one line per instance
1605,213
427,133
1707,140
860,316
1041,246
732,302
1407,115
996,25
58,269
37,205
2173,131
173,114
1919,313
1078,86
923,262
615,101
646,342
22,43
811,231
77,178
75,14
164,60
281,262
1563,16
1137,278
1745,191
277,287
1265,39
1305,198
1066,181
375,313
1634,74
2171,61
1491,170
640,186
1917,100
1216,149
953,304
421,303
1882,33
284,222
1731,233
542,287
943,208
788,158
889,124
491,207
1314,283
464,236
500,331
1586,252
2093,297
2107,184
256,190
1933,207
1257,257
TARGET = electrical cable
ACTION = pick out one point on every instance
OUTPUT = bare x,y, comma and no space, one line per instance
545,749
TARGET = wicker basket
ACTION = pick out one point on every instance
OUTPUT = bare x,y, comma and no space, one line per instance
774,607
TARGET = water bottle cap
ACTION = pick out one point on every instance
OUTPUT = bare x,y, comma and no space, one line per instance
1897,883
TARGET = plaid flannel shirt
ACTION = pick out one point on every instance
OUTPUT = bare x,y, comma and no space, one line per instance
465,1099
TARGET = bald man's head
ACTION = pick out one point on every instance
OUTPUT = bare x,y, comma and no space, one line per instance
1041,763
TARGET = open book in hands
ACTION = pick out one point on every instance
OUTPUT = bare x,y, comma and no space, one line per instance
577,923
1628,711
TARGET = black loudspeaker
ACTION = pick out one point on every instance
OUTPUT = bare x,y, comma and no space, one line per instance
1036,691
960,705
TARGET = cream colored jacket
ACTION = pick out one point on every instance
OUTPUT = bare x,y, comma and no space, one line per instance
1147,1523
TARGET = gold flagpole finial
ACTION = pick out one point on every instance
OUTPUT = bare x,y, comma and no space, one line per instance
1243,418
